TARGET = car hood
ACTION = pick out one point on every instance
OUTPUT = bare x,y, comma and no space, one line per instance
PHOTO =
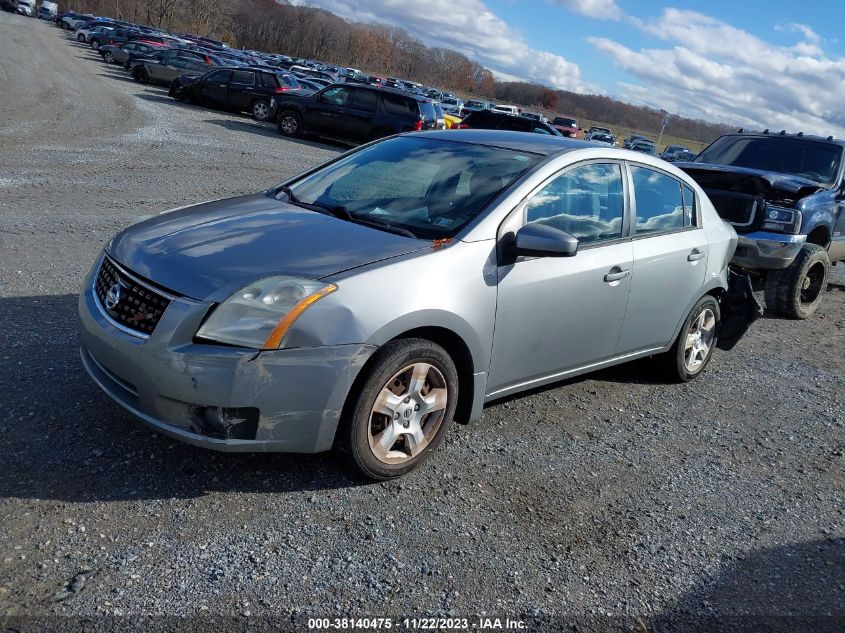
778,181
211,250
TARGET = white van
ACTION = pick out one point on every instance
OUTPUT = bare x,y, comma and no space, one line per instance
507,109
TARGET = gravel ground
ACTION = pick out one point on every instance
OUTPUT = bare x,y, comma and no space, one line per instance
612,502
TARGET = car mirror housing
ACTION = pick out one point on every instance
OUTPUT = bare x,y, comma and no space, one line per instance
541,240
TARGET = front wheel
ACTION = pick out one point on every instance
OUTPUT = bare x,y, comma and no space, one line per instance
403,409
261,110
796,292
95,45
109,58
694,346
289,123
80,38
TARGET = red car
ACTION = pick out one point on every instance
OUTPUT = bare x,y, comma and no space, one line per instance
566,126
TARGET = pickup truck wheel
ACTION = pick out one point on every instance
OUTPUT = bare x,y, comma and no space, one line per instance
261,110
402,409
795,292
289,123
696,341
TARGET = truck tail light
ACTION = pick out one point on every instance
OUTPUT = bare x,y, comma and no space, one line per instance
280,89
418,126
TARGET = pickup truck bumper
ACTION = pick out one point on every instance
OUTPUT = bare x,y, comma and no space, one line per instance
762,250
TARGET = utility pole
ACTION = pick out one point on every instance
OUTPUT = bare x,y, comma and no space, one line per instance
662,127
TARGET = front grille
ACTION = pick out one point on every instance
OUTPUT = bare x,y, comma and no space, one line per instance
740,209
127,301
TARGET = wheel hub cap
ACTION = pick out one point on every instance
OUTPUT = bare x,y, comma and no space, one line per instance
699,340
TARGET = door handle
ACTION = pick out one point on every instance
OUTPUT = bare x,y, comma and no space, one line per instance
616,274
695,255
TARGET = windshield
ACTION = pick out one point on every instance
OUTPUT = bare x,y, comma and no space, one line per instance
799,157
430,188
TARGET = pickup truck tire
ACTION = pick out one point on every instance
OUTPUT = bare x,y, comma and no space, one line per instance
696,341
289,123
795,292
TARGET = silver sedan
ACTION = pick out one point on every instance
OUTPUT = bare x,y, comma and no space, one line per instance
372,301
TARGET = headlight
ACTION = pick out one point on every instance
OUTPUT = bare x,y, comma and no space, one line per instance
259,315
781,219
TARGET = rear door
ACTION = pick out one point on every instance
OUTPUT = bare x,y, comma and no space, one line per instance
357,120
241,89
214,88
670,258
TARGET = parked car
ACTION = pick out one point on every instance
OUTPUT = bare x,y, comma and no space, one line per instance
239,89
452,122
25,7
506,109
684,156
161,56
536,116
595,129
47,10
165,72
315,74
67,20
495,120
567,126
473,105
785,195
452,105
84,35
352,113
119,54
303,318
440,116
669,151
602,139
309,84
644,147
635,138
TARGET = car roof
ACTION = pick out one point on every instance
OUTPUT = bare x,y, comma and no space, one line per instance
544,144
806,137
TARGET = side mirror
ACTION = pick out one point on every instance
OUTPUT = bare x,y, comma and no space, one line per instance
541,240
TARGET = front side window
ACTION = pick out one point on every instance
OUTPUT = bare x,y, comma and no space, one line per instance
659,202
429,187
337,96
585,201
243,77
219,75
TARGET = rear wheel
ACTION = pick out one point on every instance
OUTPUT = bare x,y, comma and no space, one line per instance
261,110
140,75
403,409
796,292
109,58
95,45
289,123
80,38
694,346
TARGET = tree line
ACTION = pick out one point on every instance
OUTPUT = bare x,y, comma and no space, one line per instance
301,31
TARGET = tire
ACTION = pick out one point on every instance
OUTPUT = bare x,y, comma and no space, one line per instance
109,58
289,123
95,44
696,341
261,110
140,75
401,376
80,38
796,292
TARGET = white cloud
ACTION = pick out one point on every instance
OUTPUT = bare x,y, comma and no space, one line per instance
469,27
599,9
718,72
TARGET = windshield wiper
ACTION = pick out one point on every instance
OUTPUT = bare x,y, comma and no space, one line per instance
384,226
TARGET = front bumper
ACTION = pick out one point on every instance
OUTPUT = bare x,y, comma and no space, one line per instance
762,250
173,384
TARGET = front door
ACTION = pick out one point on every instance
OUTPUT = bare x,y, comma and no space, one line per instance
322,115
555,315
215,88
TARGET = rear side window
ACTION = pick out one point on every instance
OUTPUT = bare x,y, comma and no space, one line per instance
689,206
659,203
243,77
268,80
365,100
397,105
517,125
289,80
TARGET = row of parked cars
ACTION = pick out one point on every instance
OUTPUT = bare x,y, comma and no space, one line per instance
548,244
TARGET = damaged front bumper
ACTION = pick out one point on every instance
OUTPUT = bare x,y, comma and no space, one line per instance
763,250
215,396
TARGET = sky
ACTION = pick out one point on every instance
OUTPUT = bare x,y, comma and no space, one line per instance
774,64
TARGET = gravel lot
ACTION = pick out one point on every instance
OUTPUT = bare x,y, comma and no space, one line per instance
613,502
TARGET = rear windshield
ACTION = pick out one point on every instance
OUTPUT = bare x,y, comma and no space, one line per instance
813,160
559,120
429,187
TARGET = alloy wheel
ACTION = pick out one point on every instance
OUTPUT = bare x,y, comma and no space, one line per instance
288,124
407,413
109,58
699,340
261,111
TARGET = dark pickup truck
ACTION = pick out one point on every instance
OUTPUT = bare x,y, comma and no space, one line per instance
785,196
